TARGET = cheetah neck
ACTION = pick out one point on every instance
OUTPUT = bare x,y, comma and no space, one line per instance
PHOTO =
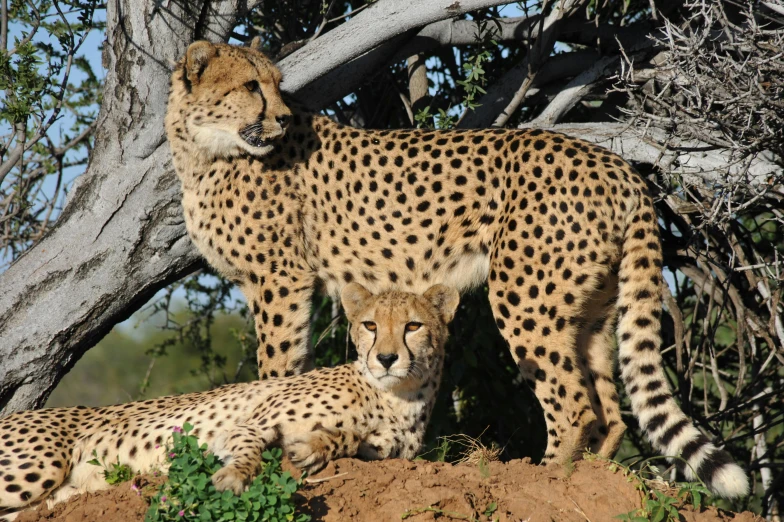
413,405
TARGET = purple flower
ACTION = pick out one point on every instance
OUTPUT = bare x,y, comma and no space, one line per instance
181,513
177,429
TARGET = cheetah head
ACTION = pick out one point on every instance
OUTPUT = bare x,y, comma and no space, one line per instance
399,336
228,100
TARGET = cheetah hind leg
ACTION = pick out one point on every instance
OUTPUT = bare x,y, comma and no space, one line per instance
595,348
314,450
240,450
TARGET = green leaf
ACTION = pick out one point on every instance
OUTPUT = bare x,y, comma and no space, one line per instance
269,496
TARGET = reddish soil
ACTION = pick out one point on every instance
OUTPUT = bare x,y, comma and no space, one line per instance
384,491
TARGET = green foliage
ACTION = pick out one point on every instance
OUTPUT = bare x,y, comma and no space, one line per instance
119,368
21,80
114,473
30,72
659,508
657,505
442,120
206,298
473,85
49,99
475,77
188,493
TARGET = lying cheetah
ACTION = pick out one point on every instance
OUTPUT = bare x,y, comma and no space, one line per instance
377,407
564,233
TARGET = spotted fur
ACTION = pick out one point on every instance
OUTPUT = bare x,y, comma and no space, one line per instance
563,231
377,407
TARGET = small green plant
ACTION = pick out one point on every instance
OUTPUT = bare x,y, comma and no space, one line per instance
658,505
443,449
188,493
114,473
441,121
475,73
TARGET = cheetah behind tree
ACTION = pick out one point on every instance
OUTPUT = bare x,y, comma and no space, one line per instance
376,407
563,231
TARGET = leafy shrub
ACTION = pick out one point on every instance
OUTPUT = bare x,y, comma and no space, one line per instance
188,493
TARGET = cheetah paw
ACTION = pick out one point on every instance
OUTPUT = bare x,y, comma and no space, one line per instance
229,478
303,456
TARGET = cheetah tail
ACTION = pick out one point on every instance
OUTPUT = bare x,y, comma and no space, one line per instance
639,339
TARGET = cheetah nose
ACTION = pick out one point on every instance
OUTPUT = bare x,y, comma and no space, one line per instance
387,359
283,120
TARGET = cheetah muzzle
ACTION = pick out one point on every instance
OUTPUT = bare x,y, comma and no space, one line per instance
353,409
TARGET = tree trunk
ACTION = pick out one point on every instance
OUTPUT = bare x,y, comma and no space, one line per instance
121,236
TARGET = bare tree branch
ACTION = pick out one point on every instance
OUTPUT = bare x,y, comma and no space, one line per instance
500,95
537,54
695,161
375,25
123,217
574,91
417,82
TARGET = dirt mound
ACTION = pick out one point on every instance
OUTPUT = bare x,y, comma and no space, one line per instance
350,489
124,503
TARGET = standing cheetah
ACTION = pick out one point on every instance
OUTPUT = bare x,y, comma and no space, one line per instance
564,233
377,407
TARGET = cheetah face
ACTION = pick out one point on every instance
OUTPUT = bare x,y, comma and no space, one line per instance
232,102
399,336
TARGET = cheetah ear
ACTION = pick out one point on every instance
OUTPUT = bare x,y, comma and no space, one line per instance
196,59
445,300
255,43
353,298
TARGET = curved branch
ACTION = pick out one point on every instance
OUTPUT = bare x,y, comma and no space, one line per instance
695,161
574,92
385,20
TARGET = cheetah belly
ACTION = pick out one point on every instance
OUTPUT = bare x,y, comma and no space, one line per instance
462,272
469,271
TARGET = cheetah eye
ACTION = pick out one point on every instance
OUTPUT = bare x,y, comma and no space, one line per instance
252,86
413,327
370,326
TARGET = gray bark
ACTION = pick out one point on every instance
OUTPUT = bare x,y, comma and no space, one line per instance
692,160
120,236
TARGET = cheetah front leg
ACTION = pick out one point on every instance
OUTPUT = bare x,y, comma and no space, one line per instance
280,303
240,450
313,451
